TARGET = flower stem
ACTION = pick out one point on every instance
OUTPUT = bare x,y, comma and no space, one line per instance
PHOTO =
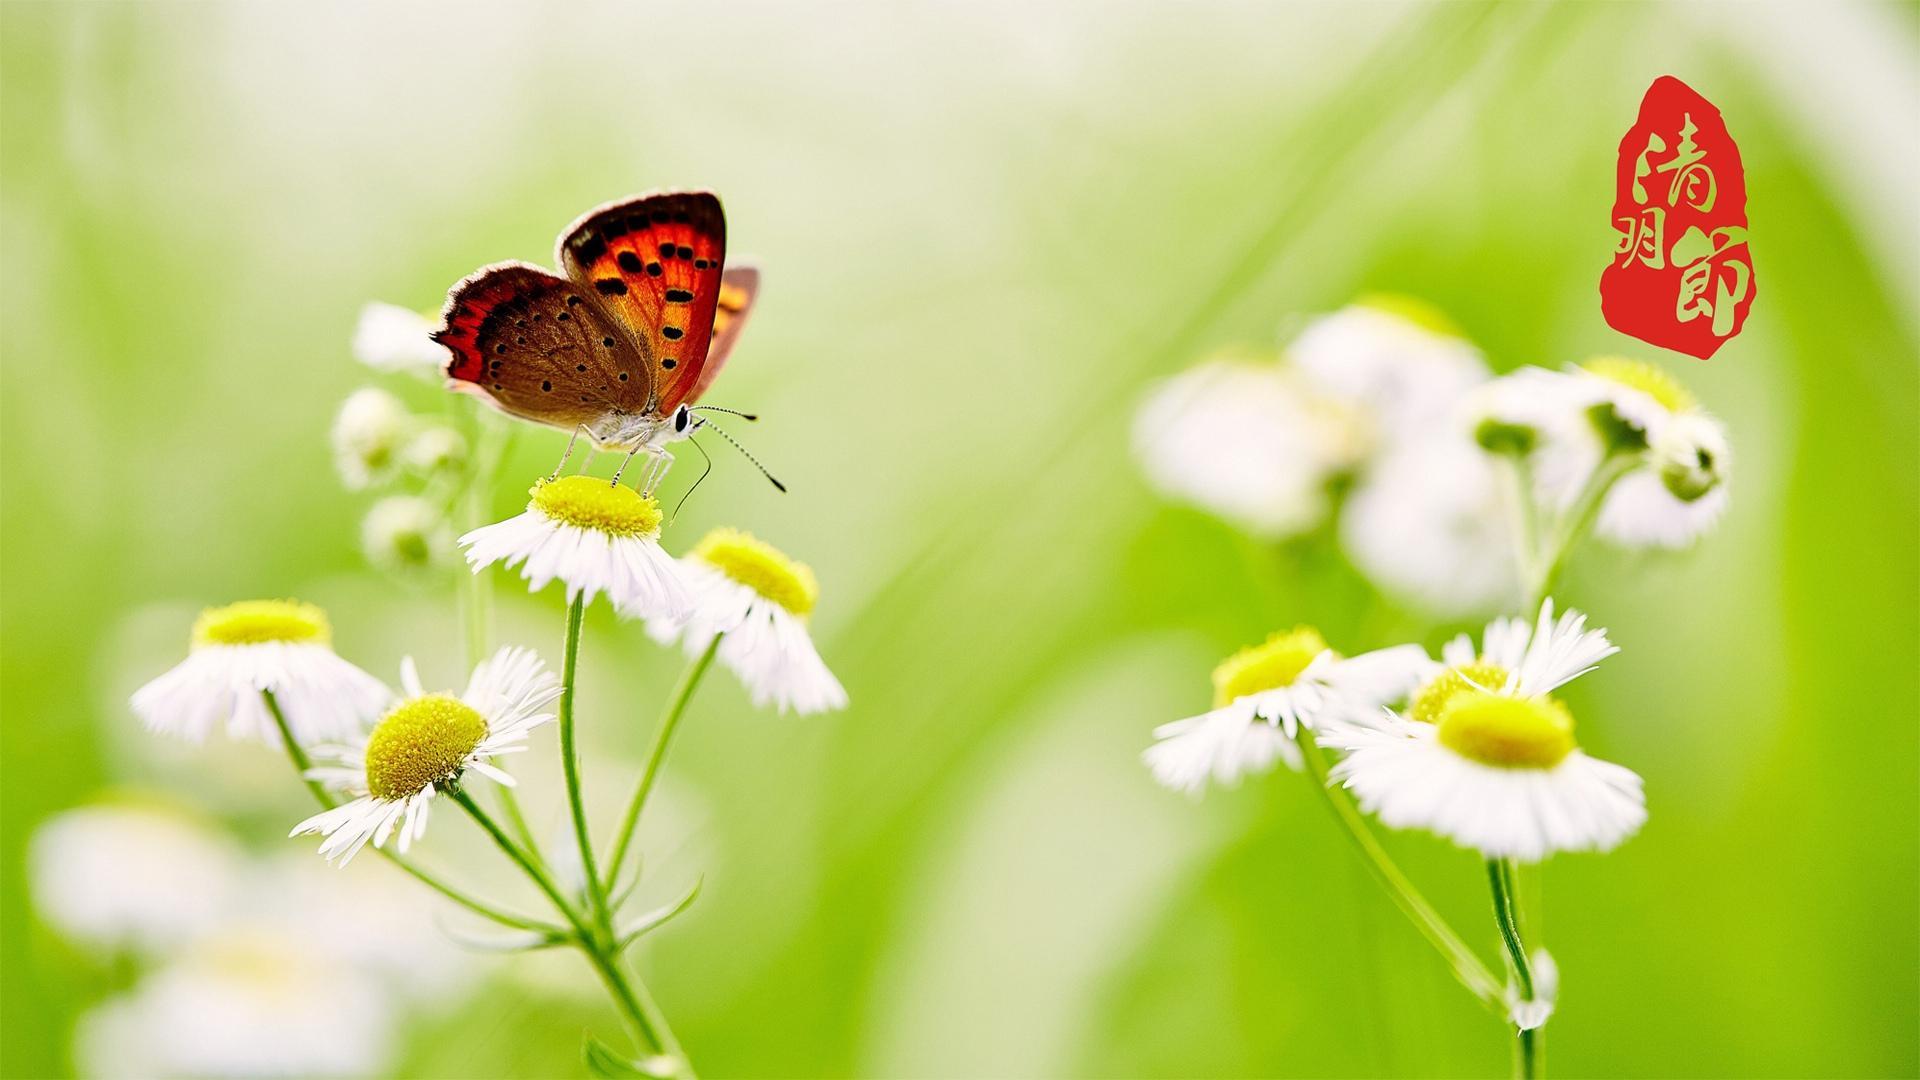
301,763
1467,967
1506,914
1526,516
669,721
1578,519
639,1012
570,764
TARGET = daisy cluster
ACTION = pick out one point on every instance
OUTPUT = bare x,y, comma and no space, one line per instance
266,670
1459,492
1384,416
1473,746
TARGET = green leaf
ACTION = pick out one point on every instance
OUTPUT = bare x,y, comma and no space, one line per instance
655,919
602,1061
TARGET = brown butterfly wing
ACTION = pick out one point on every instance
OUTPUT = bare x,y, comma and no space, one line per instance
654,263
538,347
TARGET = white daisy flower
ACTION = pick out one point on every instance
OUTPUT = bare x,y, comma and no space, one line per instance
279,646
760,599
1264,694
1396,359
594,536
1681,492
407,533
240,1005
1485,758
143,875
367,435
1246,441
1428,523
390,338
427,742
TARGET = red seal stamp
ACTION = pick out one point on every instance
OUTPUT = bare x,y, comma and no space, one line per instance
1681,276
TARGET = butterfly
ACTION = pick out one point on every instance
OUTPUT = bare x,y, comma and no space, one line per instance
623,341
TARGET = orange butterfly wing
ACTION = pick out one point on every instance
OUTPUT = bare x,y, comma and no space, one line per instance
654,263
739,287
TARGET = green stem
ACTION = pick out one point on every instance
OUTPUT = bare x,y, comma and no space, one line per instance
533,870
1506,914
669,721
1526,516
1467,967
570,764
301,763
636,1009
1578,519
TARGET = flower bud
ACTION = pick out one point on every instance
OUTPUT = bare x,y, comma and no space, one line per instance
436,449
406,534
1692,456
367,435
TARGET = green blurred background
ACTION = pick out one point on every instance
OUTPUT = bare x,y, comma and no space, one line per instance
985,229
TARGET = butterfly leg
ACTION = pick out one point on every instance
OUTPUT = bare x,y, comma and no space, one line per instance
571,439
624,462
656,469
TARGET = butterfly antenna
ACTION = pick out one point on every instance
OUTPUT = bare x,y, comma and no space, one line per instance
744,452
729,412
696,484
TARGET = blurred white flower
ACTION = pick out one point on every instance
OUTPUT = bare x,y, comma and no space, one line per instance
370,915
760,600
406,533
1524,411
594,536
1247,442
1265,694
367,435
139,875
1429,523
242,1004
1679,492
390,338
435,449
1396,360
1487,759
427,741
279,646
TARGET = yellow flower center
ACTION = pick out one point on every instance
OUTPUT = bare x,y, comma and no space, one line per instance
587,503
255,622
1510,732
1432,699
422,742
1644,377
1414,310
761,567
1269,665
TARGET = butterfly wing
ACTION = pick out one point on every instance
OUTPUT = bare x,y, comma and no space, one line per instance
654,263
538,347
739,287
